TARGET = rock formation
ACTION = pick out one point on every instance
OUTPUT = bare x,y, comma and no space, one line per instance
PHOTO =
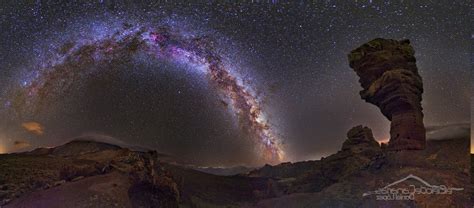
360,139
359,151
390,80
99,175
341,179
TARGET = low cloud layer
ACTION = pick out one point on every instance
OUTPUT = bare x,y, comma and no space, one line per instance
451,131
98,137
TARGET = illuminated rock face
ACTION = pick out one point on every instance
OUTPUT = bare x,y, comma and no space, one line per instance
390,80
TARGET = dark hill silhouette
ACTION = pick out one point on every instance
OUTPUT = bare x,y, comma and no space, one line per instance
97,174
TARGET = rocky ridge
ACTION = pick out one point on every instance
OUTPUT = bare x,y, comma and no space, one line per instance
98,175
26,174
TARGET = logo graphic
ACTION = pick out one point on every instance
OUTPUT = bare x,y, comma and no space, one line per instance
391,192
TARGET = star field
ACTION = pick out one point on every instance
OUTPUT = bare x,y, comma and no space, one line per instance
286,88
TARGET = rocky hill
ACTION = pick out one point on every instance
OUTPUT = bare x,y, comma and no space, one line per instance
344,179
96,174
84,174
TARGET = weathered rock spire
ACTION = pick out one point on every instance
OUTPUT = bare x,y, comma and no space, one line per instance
390,80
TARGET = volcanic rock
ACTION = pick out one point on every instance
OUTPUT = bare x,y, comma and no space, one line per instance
359,151
139,179
89,172
390,80
341,179
359,139
58,183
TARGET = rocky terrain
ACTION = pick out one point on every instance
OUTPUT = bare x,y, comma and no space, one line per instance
390,80
84,174
94,174
341,179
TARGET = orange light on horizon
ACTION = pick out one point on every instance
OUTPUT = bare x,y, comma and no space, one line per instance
472,142
3,150
383,141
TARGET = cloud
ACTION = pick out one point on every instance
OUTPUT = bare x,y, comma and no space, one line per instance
33,127
450,131
21,144
99,137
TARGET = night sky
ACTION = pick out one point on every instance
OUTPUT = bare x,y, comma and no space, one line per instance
216,84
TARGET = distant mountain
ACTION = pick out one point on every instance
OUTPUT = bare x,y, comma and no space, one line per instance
81,147
96,174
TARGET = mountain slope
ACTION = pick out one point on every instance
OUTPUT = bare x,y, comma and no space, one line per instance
97,174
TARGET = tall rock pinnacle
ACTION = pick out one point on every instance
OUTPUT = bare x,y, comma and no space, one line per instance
390,80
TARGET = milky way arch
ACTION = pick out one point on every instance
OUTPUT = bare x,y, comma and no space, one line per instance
163,43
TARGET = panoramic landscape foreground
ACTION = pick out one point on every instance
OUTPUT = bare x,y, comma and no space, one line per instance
87,173
428,166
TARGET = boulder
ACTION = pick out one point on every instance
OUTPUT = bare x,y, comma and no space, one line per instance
58,183
359,139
